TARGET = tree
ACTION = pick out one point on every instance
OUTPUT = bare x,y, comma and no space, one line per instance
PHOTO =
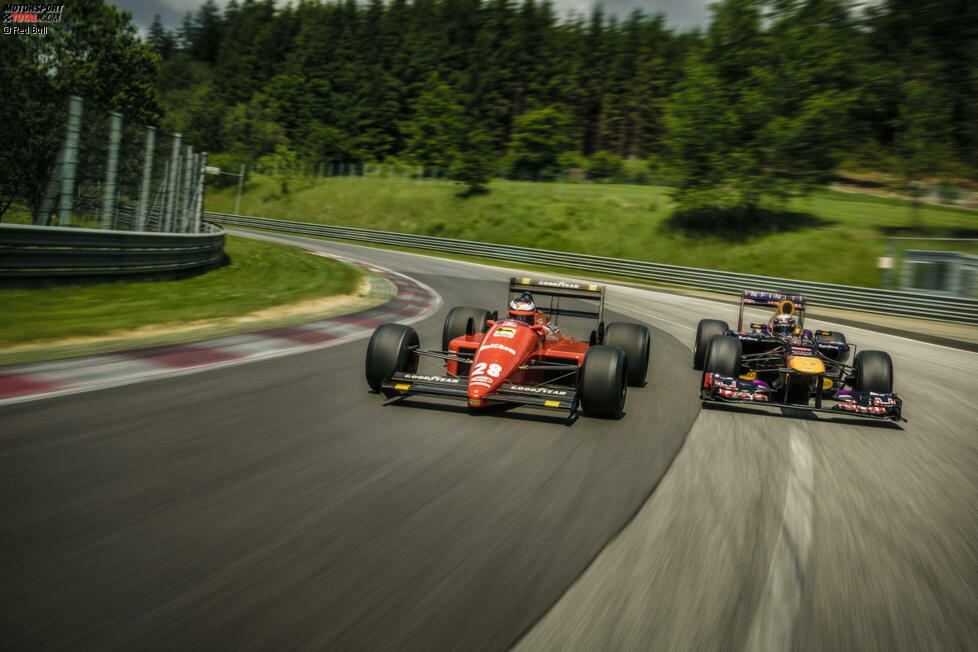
761,113
541,137
94,52
433,134
161,40
476,162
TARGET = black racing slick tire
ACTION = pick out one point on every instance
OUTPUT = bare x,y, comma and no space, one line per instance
704,332
874,372
603,382
392,348
723,356
457,323
635,341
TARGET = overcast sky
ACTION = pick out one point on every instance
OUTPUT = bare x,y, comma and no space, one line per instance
679,13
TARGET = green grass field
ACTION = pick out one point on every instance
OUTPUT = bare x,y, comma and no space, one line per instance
260,275
839,243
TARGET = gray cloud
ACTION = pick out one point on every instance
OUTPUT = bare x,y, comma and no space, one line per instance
679,13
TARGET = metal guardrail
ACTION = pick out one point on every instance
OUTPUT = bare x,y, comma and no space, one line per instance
887,302
64,253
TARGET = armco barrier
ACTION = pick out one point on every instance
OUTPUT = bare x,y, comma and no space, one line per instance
887,302
65,253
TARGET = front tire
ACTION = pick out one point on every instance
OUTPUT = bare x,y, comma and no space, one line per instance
392,348
723,356
457,323
603,382
706,329
635,341
874,372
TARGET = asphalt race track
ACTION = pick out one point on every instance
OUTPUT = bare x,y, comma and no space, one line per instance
278,504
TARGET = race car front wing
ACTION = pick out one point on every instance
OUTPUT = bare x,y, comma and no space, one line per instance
456,387
861,404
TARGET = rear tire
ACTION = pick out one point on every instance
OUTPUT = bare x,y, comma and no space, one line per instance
390,350
874,372
704,332
603,381
456,323
635,341
723,356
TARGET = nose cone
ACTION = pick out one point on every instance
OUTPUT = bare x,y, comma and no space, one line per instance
806,365
506,344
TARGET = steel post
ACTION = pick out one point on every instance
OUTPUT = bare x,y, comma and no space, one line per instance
199,207
173,191
69,162
143,207
183,218
237,198
111,167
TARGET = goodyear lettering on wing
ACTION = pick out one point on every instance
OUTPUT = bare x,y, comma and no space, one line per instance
434,379
539,390
560,284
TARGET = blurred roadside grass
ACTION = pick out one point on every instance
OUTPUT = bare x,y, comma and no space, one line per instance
260,275
838,241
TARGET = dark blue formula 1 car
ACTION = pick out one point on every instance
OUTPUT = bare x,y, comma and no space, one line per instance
780,364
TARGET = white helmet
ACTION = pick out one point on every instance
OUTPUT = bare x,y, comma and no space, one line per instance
523,308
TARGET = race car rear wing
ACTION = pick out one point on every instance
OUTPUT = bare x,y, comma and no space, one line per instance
558,290
793,304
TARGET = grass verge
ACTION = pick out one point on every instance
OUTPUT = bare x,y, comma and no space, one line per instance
839,242
260,277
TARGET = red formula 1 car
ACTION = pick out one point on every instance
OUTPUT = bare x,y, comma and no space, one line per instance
523,358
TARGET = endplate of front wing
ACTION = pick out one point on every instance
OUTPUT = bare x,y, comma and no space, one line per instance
454,387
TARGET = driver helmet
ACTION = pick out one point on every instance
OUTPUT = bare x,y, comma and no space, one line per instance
523,309
784,325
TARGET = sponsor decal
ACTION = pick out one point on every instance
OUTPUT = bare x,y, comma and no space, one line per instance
485,381
551,404
449,380
402,387
504,331
538,390
498,346
562,284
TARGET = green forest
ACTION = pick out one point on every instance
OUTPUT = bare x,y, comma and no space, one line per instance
770,97
763,103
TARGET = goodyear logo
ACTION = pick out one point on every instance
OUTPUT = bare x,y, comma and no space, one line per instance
539,390
560,284
434,379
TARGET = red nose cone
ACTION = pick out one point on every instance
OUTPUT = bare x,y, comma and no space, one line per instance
478,391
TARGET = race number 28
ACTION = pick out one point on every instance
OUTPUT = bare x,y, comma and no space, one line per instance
494,369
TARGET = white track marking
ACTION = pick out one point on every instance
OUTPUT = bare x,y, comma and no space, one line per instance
774,622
